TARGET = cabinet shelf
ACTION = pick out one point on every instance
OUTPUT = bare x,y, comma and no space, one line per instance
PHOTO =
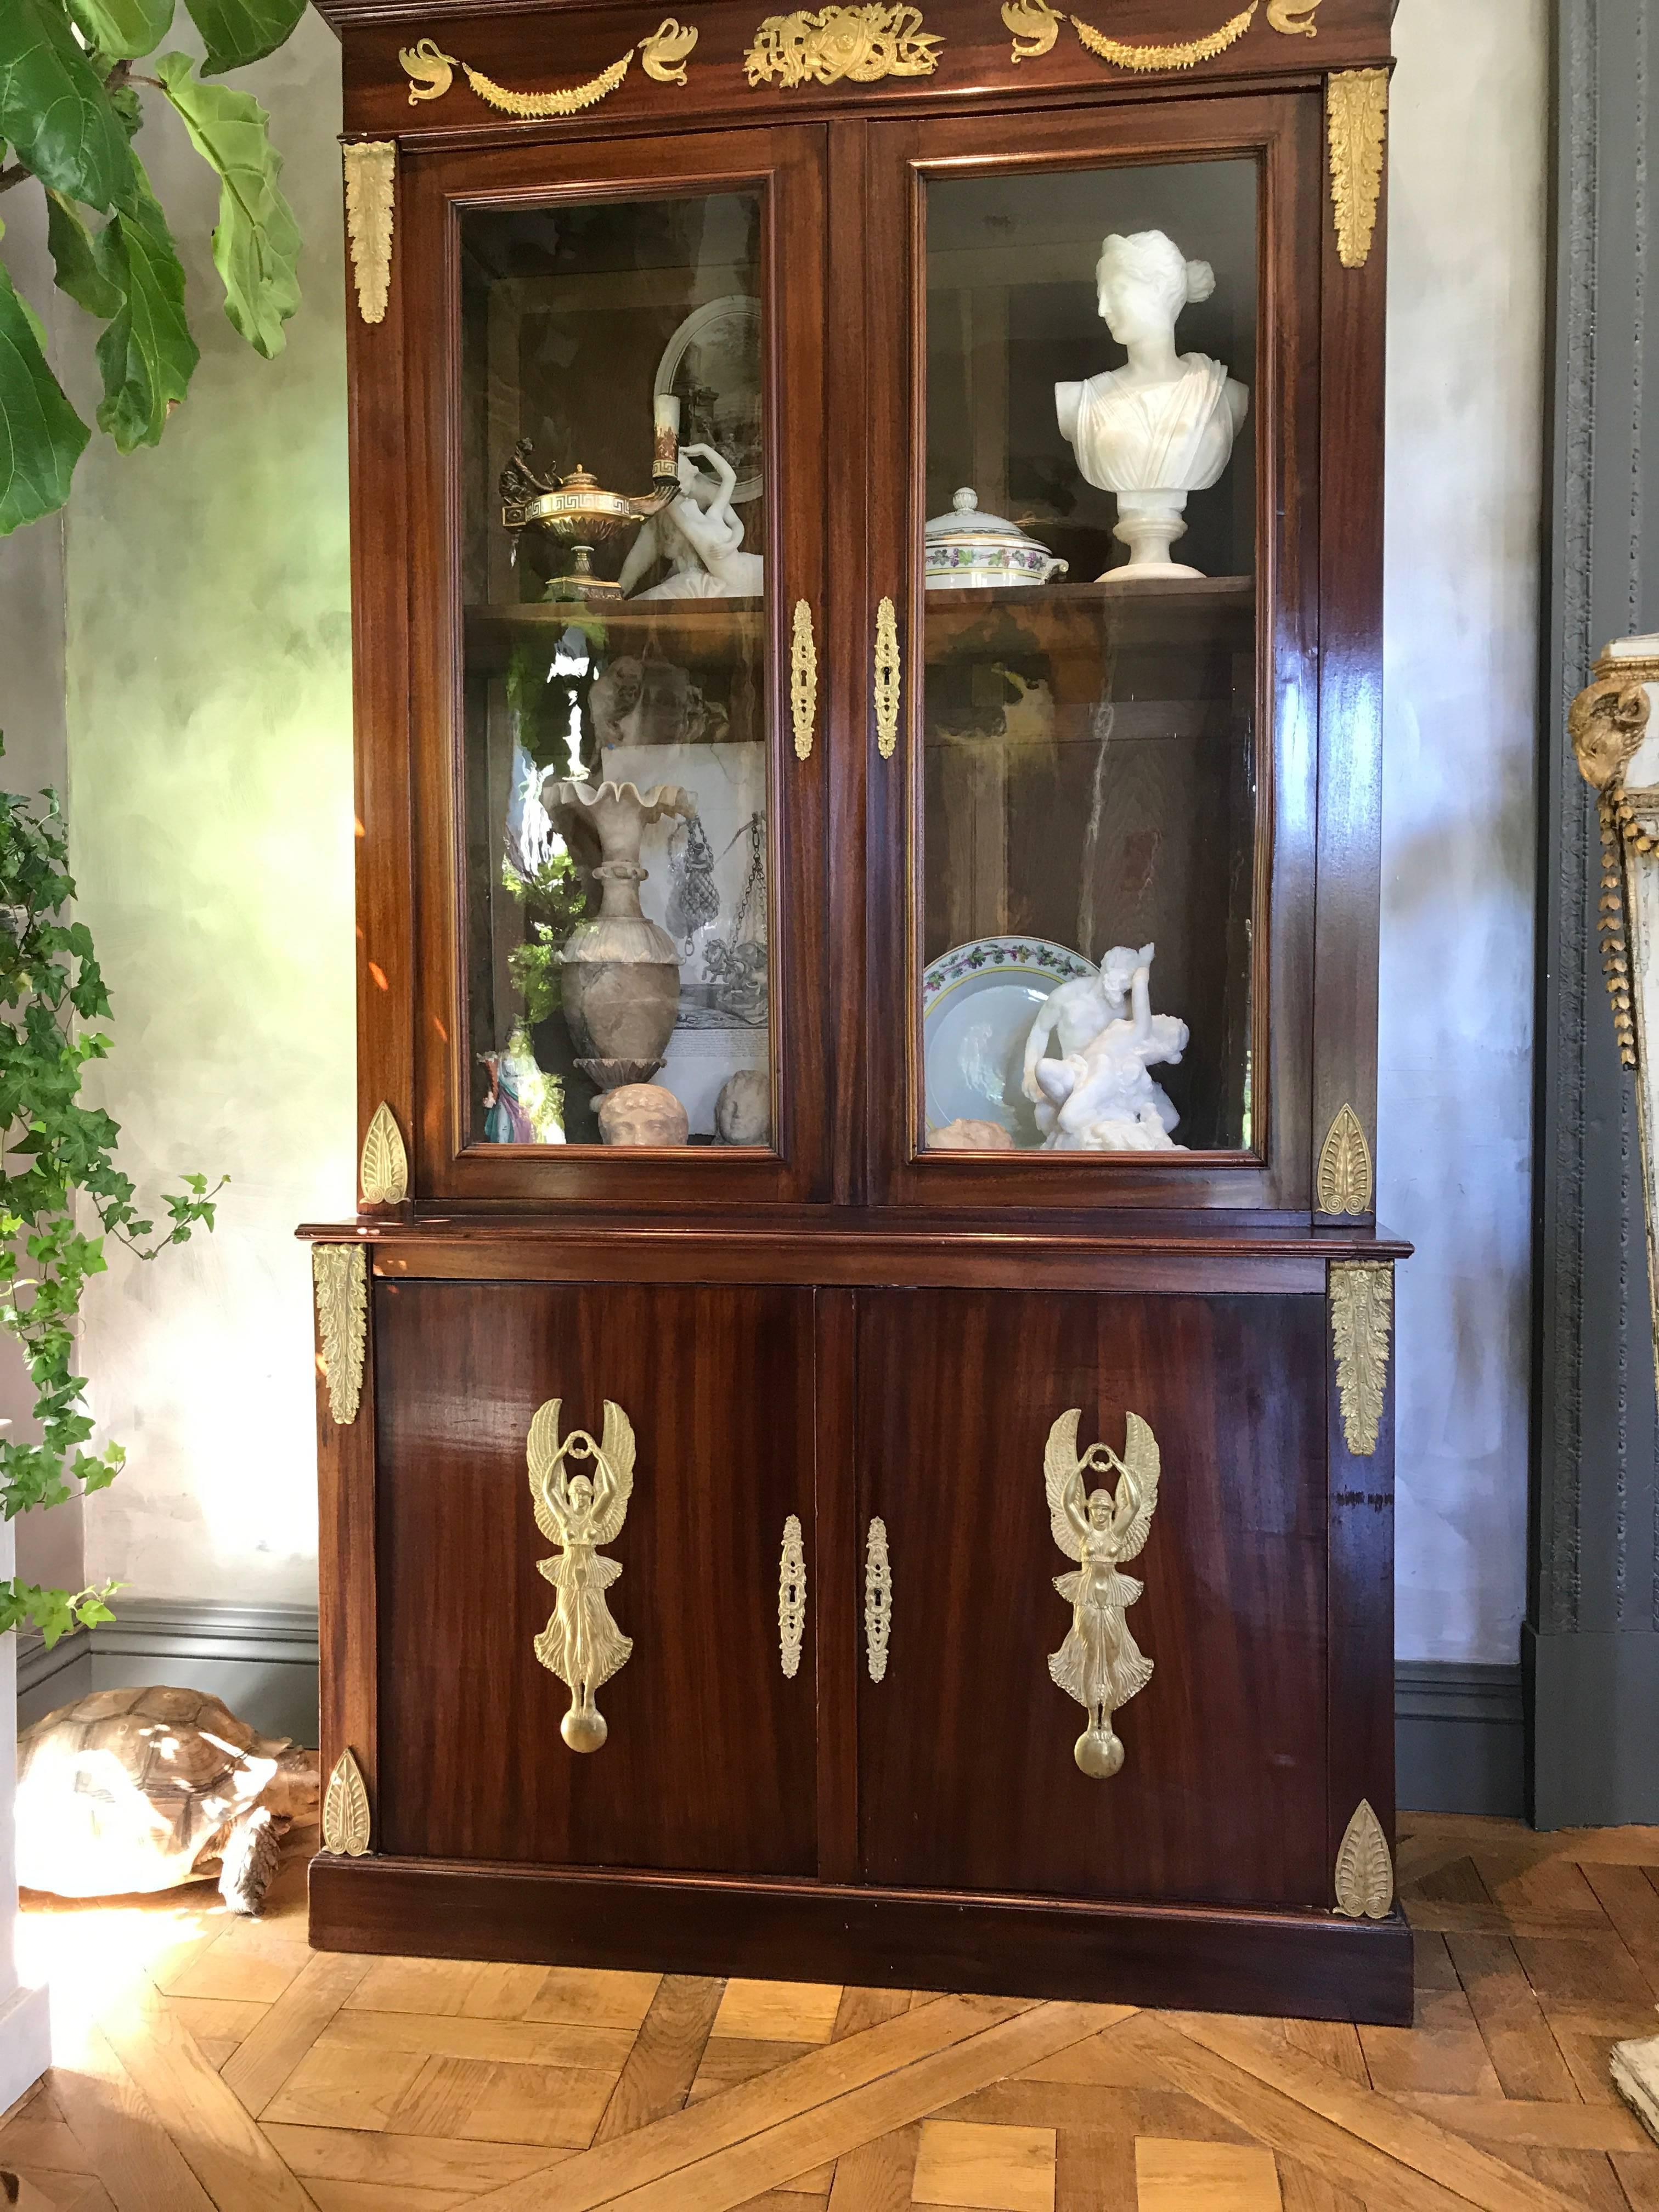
695,633
1064,617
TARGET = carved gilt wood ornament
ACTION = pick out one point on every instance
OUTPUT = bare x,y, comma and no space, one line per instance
662,57
827,45
1362,1320
1364,1872
1616,742
877,1600
346,1810
792,1597
383,1175
339,1281
582,1643
1099,1663
1357,123
803,681
1343,1183
1035,26
371,181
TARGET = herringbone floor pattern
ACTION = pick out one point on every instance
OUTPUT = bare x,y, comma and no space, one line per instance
208,2061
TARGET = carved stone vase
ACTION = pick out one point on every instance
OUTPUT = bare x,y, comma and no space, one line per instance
619,972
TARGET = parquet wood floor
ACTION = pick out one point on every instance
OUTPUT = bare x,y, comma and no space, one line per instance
208,2064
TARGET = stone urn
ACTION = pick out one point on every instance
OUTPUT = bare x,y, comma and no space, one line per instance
619,971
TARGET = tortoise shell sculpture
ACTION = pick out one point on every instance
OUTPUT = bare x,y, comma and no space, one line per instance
141,1790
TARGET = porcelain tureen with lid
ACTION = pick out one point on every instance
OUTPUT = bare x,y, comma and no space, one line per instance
967,549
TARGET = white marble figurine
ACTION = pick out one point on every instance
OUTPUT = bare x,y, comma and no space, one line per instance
1164,424
700,537
1098,1096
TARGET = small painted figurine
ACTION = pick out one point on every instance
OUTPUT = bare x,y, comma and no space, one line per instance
522,1105
582,1643
1099,1663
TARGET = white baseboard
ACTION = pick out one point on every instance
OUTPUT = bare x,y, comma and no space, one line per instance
25,2042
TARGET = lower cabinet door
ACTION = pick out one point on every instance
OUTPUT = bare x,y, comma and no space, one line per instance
708,1761
968,1773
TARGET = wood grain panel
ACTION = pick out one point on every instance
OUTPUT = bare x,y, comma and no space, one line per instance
1307,1964
709,1761
967,1774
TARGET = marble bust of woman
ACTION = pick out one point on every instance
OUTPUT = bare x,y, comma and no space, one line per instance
1164,424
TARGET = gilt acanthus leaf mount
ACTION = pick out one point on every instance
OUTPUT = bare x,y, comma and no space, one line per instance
346,1825
339,1275
371,183
1345,1181
1364,1872
1356,122
383,1173
1361,1321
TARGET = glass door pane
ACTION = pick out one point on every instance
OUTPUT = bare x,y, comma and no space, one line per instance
1088,821
619,859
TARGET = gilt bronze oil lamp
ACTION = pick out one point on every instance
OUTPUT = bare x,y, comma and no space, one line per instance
580,514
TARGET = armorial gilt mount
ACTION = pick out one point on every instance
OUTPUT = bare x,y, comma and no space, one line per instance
662,57
824,45
1099,1663
582,1643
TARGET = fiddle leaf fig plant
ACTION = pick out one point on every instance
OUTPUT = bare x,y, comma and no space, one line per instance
58,1171
70,111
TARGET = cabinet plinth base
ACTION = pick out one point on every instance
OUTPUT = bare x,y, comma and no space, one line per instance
1191,1958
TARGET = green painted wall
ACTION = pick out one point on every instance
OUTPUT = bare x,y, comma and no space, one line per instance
209,740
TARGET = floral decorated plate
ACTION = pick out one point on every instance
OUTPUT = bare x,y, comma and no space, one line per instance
978,1002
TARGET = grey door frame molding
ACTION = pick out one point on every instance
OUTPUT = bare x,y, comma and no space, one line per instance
1591,1644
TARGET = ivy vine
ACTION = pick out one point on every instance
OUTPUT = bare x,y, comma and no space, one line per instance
59,1177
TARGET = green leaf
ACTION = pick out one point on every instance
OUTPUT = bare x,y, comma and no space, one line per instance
123,30
256,245
53,107
41,436
74,257
147,355
237,32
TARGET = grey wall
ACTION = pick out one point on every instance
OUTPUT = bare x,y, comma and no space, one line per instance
1592,1641
1467,175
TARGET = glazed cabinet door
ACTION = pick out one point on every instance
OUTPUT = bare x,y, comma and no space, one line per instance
980,1768
706,1756
1093,631
616,469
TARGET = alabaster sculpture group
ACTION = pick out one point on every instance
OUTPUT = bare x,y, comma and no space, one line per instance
1087,1055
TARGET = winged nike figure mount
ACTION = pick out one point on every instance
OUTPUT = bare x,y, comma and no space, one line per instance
1099,1663
582,1643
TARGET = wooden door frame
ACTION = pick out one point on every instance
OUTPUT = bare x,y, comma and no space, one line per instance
785,165
1283,132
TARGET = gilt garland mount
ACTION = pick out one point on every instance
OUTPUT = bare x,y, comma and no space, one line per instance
663,56
1035,27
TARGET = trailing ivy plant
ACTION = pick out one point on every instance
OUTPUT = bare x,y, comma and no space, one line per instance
70,112
57,1171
